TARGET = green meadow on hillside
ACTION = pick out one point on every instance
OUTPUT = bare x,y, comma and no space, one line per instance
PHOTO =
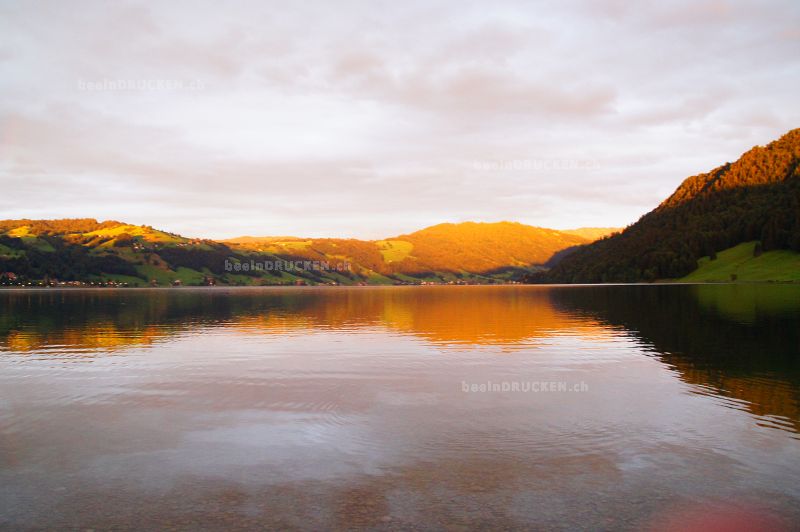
777,265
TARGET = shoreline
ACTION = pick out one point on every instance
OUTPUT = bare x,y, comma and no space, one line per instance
381,286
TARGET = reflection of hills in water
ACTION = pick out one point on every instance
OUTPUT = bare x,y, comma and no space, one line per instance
441,315
445,316
741,342
747,303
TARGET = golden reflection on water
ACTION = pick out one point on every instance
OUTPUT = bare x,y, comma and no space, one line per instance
466,316
100,336
445,316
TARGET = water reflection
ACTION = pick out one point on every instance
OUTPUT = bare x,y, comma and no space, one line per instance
107,319
738,341
741,341
346,407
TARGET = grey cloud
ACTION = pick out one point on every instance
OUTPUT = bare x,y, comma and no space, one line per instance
366,119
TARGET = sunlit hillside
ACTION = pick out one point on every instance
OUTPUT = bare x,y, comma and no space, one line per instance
444,249
40,252
592,233
482,247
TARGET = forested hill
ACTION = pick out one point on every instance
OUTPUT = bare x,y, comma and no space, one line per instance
755,198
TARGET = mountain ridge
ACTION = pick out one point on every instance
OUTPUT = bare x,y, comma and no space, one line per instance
588,233
85,249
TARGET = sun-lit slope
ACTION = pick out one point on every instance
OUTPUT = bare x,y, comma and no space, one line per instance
256,239
482,247
262,241
394,250
86,231
739,263
592,233
464,247
88,250
35,234
148,234
53,227
363,256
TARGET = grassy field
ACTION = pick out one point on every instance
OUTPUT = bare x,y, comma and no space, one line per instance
165,277
394,250
38,243
738,261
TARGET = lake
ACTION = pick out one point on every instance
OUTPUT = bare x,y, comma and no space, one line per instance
445,408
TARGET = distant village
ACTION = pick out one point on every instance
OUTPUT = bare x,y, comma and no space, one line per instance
10,279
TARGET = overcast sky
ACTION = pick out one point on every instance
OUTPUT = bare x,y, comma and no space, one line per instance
370,119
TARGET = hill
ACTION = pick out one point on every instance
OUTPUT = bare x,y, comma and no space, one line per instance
593,233
443,252
88,251
755,198
500,249
479,247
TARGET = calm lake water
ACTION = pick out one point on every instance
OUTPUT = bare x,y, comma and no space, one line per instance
513,407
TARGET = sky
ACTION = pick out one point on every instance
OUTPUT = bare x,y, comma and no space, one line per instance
373,119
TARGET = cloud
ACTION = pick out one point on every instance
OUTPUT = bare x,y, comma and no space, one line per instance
371,119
